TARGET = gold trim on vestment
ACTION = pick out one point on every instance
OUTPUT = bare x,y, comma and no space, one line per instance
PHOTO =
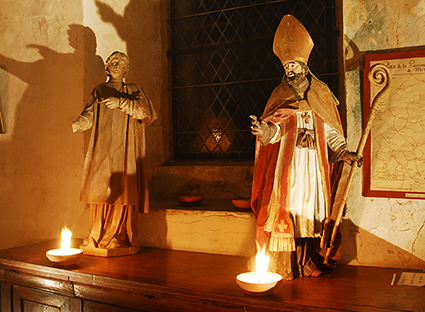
321,167
282,241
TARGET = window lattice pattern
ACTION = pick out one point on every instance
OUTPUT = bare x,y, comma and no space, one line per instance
223,68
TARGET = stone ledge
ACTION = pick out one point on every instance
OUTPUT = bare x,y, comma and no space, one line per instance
216,226
208,204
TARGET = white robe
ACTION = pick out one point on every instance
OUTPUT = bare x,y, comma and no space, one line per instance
306,198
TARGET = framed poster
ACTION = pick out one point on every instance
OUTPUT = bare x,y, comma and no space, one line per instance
394,155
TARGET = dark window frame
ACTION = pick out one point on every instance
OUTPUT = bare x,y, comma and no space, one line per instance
223,69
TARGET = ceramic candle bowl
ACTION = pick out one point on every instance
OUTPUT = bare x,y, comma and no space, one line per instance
242,203
255,286
64,256
190,200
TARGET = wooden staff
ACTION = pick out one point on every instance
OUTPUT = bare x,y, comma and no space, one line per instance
380,75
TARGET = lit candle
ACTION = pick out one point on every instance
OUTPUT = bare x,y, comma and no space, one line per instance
261,263
66,238
65,255
260,282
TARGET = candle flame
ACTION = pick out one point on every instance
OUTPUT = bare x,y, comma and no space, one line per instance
261,262
66,238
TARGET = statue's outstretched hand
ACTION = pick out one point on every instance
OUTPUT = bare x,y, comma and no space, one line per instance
349,157
264,130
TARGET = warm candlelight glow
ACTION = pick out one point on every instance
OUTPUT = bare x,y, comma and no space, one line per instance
260,282
66,238
65,255
261,262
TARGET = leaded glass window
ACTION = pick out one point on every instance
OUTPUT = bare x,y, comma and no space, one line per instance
223,69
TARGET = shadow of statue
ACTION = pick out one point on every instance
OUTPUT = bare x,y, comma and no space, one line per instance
39,126
354,58
83,40
360,246
54,85
130,27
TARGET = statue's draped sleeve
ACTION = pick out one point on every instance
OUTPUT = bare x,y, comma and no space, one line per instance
137,105
133,101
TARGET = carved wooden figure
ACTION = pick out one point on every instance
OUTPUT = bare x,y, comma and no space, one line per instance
114,179
292,192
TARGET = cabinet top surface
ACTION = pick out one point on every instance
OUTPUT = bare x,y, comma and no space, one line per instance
200,274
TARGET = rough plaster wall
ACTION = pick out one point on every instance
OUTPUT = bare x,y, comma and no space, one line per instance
51,57
379,231
41,88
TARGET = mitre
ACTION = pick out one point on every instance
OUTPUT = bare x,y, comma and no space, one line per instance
292,42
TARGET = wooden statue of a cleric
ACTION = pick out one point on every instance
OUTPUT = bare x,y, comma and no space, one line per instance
292,191
114,178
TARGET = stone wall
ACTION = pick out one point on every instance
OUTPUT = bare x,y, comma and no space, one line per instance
379,231
41,90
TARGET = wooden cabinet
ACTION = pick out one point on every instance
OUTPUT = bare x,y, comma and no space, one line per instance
32,300
166,280
89,306
24,299
5,297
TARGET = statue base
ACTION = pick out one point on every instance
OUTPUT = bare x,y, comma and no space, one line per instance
108,252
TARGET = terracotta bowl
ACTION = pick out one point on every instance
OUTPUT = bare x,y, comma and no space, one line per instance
190,200
250,283
64,257
242,203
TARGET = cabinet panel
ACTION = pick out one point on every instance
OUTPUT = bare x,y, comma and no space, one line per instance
37,281
5,298
90,306
32,300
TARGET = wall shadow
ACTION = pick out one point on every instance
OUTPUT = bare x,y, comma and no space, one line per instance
360,247
130,27
39,148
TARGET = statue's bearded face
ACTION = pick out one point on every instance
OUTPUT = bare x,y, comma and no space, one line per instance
295,72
